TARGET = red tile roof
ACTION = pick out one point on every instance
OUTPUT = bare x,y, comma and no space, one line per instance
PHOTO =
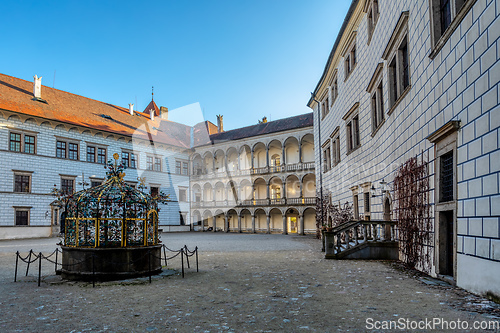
17,95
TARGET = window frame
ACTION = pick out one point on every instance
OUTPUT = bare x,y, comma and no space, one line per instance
353,134
394,55
335,144
28,216
185,194
131,157
149,162
22,174
68,178
439,38
22,141
327,156
350,57
376,90
372,10
185,168
67,142
325,107
97,153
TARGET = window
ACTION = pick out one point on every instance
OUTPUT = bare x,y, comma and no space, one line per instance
367,201
129,159
22,183
157,164
336,150
372,17
21,142
149,162
67,150
96,154
94,183
67,185
350,58
327,156
154,191
185,168
101,155
334,89
22,216
181,168
178,167
355,206
377,98
182,195
446,178
446,16
352,130
325,106
90,154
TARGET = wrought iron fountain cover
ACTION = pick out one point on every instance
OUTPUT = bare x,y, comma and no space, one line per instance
113,214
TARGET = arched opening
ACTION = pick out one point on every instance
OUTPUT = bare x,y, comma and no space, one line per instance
275,153
246,220
207,220
219,193
309,185
276,190
292,151
219,221
196,218
260,220
259,155
208,162
232,193
245,158
276,220
232,159
196,193
292,187
260,188
219,161
197,164
307,148
387,210
207,193
310,221
292,221
245,190
232,219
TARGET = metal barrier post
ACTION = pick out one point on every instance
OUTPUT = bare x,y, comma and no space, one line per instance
165,255
17,261
187,255
149,263
182,260
196,250
29,261
39,268
57,251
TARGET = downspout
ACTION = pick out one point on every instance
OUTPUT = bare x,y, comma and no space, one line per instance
313,97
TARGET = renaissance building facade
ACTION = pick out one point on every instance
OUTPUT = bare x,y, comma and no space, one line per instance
418,79
54,140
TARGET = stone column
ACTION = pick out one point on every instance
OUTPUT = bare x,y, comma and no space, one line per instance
239,223
300,152
267,156
283,160
285,231
253,223
251,159
214,222
301,224
268,224
226,223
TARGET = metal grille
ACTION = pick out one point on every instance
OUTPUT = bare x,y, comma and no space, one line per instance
447,177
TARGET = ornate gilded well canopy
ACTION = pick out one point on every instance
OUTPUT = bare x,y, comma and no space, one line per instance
113,214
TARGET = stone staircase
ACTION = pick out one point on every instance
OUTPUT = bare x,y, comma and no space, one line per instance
362,240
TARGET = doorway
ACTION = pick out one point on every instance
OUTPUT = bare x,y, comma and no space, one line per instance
446,242
292,225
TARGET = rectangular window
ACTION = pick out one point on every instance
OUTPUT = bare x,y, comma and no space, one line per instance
94,183
72,151
22,183
154,191
367,202
377,106
157,164
335,89
327,160
129,160
185,168
182,195
21,142
446,181
15,142
178,167
67,186
399,72
336,150
352,131
133,161
101,155
149,162
90,154
22,216
29,144
325,106
350,60
372,17
61,149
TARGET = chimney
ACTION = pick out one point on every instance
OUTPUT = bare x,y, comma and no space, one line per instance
152,114
220,125
163,112
131,109
37,87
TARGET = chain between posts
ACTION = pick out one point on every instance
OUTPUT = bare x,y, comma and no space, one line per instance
33,257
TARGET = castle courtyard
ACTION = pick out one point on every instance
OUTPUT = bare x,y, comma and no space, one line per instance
245,283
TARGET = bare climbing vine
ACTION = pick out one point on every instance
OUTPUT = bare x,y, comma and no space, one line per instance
411,187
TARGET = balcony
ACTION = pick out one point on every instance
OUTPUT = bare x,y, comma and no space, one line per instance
305,201
204,174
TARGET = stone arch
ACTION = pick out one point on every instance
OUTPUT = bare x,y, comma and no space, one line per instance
207,193
197,193
275,189
197,164
219,220
246,190
232,217
292,150
245,157
260,188
387,206
275,151
276,220
220,158
196,217
259,155
292,187
207,215
220,194
292,220
309,185
246,220
14,118
307,148
232,159
232,191
31,121
208,162
309,216
260,220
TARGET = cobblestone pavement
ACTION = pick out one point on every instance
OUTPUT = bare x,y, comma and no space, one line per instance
246,283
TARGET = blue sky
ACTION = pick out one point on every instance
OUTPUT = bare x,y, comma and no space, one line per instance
244,59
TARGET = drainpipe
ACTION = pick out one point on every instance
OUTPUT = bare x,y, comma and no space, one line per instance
313,97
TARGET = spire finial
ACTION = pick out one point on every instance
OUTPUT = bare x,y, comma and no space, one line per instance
152,93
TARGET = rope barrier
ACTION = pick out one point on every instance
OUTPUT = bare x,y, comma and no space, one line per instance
32,257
